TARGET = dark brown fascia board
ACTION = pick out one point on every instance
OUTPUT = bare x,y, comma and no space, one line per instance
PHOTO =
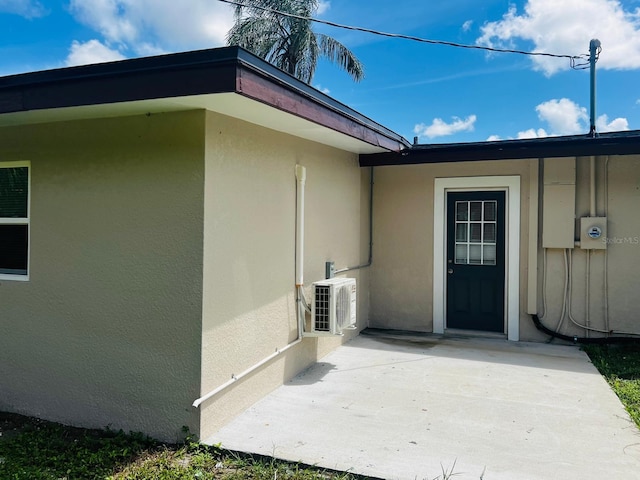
311,104
164,76
220,70
253,84
618,143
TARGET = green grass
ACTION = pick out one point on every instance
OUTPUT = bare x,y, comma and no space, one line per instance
620,366
31,449
34,449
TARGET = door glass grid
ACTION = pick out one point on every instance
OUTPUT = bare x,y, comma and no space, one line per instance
475,232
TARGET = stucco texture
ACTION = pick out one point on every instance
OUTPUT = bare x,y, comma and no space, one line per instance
402,273
107,329
249,305
617,198
162,262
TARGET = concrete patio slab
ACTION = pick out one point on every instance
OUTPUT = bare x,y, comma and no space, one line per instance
406,407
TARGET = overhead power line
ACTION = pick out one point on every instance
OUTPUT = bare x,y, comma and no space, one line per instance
572,58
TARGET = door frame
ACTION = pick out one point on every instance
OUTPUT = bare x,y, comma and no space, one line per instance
511,186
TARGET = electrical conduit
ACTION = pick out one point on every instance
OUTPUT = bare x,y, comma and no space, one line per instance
629,337
584,340
301,175
370,259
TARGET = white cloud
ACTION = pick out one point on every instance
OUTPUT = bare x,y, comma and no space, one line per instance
566,27
24,8
323,7
440,128
147,26
91,52
324,90
466,26
108,17
493,138
533,133
563,116
616,125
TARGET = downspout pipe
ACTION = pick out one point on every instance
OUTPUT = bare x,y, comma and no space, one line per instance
301,178
370,259
301,175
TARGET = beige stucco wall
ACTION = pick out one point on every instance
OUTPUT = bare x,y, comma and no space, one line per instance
107,329
623,252
402,273
402,283
249,247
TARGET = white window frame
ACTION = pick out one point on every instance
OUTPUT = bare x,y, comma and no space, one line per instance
20,221
511,186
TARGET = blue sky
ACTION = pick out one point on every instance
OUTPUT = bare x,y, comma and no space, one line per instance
441,94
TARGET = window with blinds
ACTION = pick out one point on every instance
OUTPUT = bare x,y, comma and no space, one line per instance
14,220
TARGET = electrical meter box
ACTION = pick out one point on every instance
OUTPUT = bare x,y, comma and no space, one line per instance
593,233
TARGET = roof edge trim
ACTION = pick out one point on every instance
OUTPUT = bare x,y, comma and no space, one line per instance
613,143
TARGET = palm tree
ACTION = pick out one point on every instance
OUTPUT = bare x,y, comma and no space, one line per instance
287,42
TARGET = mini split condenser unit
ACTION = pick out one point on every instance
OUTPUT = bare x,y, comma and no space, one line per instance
334,306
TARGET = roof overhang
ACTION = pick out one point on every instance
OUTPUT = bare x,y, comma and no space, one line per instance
227,80
617,143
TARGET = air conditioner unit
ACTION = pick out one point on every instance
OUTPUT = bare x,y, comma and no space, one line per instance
334,306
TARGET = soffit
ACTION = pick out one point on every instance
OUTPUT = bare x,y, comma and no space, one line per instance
230,104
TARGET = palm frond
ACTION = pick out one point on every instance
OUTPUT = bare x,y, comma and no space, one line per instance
337,53
287,42
254,34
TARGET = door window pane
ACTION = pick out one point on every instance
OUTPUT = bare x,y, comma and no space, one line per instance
461,232
490,211
489,256
462,213
475,211
476,232
461,254
489,233
475,255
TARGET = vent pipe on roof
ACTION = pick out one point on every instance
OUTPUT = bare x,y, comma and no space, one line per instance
594,51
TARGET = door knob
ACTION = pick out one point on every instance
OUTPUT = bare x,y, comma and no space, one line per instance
450,271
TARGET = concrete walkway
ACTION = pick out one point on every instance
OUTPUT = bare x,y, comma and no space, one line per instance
407,407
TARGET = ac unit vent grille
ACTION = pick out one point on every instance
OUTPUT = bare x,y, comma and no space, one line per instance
323,306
